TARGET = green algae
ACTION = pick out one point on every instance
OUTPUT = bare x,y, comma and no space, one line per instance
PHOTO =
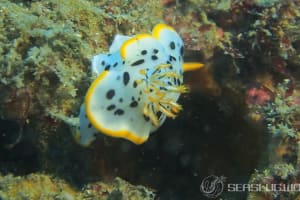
212,6
276,28
266,3
280,174
282,112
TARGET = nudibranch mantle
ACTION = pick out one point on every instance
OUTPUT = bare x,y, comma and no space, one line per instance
137,86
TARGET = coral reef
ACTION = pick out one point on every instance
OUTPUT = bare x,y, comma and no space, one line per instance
281,116
280,173
35,186
282,112
41,186
240,118
117,189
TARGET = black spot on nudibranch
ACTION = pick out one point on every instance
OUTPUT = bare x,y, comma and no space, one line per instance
146,118
116,64
89,125
110,94
154,57
134,84
126,78
178,81
111,107
181,50
134,104
155,51
107,67
138,62
119,112
171,58
144,52
158,115
172,45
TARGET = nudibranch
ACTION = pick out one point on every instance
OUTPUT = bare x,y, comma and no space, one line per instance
137,87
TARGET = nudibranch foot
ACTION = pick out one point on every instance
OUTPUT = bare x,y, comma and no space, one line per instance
78,126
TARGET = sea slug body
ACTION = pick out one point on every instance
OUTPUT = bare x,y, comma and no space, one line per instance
137,86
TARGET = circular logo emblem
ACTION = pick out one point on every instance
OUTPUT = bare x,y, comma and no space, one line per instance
212,186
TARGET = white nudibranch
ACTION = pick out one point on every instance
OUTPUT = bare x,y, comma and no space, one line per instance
137,86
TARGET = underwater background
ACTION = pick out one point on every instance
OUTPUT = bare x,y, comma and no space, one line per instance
239,124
